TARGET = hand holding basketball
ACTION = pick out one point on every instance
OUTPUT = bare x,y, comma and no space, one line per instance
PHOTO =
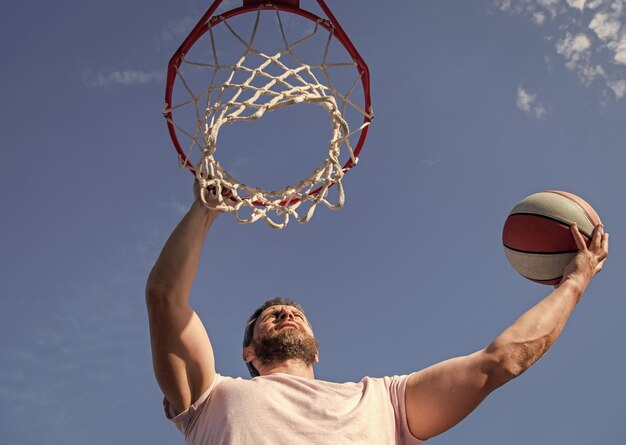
538,237
589,260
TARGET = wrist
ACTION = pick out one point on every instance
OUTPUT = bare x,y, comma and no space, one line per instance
576,283
199,208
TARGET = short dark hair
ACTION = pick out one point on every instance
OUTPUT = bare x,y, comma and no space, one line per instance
248,333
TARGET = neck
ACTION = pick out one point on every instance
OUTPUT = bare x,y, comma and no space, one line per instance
291,367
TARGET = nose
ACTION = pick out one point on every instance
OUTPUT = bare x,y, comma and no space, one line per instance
286,314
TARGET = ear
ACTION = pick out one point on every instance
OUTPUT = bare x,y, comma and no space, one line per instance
317,357
248,354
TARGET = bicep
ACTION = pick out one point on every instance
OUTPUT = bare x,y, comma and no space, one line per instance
439,397
182,355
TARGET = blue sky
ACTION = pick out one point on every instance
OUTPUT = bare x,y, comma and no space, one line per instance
477,105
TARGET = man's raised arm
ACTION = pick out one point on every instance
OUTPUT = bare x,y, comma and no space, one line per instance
182,355
439,397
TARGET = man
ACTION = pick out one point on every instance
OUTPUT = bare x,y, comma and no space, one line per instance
285,404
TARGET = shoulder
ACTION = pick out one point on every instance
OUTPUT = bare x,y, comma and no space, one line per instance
172,414
221,386
394,381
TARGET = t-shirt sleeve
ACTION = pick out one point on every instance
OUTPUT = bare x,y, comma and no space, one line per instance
397,388
184,421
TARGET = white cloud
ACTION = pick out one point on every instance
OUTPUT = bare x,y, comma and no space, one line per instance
588,73
618,87
594,4
504,5
524,99
539,18
578,4
576,51
432,161
609,27
604,26
552,6
620,51
178,207
125,78
177,29
592,45
528,103
573,46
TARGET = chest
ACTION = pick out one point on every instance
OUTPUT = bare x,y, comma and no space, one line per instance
248,414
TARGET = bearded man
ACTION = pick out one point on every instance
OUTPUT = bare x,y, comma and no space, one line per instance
284,404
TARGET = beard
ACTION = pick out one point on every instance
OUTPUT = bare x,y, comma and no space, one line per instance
288,343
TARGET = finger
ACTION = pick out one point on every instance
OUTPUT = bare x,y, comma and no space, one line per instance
596,236
578,238
605,242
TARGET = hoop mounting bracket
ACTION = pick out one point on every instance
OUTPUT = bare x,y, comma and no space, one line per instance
252,3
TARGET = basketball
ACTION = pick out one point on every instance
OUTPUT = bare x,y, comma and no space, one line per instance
537,239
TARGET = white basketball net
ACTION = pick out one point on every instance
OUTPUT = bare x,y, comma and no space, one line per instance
230,102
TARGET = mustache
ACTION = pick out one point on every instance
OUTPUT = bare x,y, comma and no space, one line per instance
280,326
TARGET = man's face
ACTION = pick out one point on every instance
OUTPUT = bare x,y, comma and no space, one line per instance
282,333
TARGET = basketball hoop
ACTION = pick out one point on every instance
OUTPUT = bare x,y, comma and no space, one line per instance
258,82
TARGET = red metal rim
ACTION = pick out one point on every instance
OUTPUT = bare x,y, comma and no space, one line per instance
209,20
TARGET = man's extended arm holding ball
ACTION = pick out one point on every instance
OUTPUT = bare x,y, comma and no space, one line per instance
439,397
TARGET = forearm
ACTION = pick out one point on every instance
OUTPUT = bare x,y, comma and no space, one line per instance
532,334
175,269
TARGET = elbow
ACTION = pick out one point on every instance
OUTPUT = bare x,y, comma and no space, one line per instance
152,298
157,295
156,290
509,369
160,294
503,368
158,301
158,286
152,295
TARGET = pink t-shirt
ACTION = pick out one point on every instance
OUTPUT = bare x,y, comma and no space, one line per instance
283,409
